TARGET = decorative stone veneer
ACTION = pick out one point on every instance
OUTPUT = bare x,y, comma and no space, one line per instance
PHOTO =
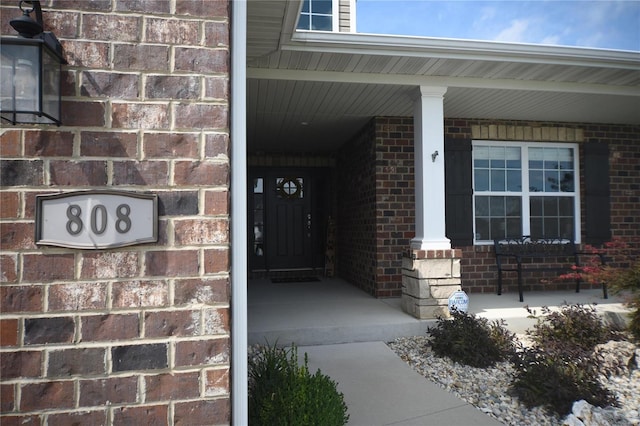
429,277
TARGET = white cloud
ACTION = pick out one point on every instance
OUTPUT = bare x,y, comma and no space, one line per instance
516,32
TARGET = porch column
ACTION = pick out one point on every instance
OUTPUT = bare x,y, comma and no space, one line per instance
428,125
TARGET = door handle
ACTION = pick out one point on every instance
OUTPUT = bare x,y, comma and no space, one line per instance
309,225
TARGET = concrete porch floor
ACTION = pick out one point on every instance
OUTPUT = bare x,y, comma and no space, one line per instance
343,330
333,311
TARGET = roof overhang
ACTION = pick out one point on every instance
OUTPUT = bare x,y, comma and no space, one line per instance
312,91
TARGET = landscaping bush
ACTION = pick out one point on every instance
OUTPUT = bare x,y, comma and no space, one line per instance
472,340
281,392
561,367
555,380
621,273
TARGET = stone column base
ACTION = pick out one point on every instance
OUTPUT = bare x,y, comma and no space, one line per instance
429,277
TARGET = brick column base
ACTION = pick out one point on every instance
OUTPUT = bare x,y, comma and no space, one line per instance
429,277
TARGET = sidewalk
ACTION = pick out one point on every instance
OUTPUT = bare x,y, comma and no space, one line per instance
343,330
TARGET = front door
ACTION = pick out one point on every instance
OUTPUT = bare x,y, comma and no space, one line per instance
287,220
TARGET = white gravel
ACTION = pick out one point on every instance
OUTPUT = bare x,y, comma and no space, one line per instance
486,389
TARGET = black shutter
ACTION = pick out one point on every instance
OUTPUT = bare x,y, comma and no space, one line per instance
596,193
458,192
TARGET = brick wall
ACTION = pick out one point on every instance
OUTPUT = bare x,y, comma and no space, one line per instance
374,262
478,263
138,335
376,209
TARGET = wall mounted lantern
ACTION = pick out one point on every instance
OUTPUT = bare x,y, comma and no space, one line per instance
30,68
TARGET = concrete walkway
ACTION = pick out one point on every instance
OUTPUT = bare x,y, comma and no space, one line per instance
343,330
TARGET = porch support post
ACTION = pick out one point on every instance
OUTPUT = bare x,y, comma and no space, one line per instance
428,125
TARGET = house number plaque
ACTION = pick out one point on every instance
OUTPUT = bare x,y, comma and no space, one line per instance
96,219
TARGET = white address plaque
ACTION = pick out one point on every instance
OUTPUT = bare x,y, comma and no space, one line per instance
96,219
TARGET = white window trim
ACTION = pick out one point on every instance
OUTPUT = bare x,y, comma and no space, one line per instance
335,18
525,195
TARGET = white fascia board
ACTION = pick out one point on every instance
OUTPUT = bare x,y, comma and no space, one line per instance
389,45
464,82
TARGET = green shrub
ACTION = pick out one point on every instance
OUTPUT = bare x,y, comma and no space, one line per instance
561,368
281,392
471,340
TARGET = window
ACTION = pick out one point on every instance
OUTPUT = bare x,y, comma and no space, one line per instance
525,189
316,15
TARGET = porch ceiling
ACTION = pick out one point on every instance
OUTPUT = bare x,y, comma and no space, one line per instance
311,92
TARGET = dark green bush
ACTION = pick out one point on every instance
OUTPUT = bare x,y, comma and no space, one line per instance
472,340
281,392
561,368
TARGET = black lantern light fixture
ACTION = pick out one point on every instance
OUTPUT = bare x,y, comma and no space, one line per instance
30,71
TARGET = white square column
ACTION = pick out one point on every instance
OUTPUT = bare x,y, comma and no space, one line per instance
428,122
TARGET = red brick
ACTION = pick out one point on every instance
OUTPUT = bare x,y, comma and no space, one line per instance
216,321
215,411
137,294
140,116
78,173
201,60
68,83
201,173
77,296
76,362
114,264
10,145
216,145
141,415
94,418
141,57
201,231
111,27
202,352
85,114
21,364
216,203
216,261
28,420
8,332
17,236
48,144
172,87
22,172
201,116
110,327
201,291
108,144
203,8
8,269
171,263
171,31
46,396
114,390
86,54
20,299
170,145
172,386
148,173
63,24
89,5
216,88
114,85
147,6
7,398
43,268
217,382
172,323
216,34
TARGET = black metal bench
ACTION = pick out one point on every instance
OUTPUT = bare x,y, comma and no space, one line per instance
526,254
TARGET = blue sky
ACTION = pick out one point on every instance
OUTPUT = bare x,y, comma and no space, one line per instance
610,24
